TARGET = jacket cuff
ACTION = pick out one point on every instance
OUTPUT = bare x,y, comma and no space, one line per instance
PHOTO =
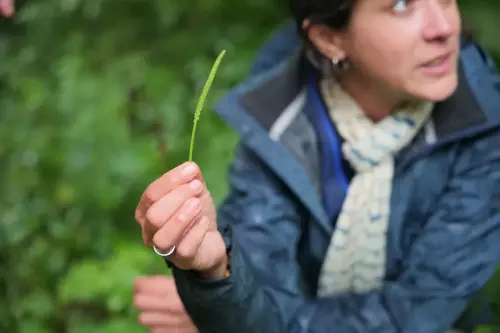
205,298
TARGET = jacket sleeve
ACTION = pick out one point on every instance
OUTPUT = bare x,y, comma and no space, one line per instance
454,256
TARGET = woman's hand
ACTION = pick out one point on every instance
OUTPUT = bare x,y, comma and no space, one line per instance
177,210
7,7
161,309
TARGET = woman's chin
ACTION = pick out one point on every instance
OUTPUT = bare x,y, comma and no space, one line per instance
437,90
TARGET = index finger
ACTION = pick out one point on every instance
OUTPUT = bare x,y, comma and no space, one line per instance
156,285
159,303
182,174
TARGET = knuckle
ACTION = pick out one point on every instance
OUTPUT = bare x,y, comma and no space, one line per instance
139,214
162,242
151,193
155,217
159,187
146,239
188,210
182,194
186,251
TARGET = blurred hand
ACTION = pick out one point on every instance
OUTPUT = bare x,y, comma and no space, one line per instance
161,309
7,7
177,209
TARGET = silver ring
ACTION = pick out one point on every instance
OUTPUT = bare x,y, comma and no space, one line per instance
162,254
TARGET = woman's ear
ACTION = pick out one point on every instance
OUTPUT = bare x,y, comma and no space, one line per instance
327,41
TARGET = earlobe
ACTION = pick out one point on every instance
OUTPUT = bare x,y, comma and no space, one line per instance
326,41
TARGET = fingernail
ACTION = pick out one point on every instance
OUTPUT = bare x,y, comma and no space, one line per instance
189,210
189,170
196,185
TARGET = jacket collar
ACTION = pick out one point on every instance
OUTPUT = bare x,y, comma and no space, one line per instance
472,107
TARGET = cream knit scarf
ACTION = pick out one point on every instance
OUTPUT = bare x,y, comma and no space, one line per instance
356,258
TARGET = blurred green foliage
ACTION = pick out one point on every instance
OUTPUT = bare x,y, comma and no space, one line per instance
97,100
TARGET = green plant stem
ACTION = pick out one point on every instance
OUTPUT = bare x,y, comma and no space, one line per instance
201,101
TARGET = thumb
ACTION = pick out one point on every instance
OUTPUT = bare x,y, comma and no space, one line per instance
196,167
199,176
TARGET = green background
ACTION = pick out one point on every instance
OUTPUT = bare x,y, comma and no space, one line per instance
96,101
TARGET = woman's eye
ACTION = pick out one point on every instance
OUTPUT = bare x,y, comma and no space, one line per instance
400,6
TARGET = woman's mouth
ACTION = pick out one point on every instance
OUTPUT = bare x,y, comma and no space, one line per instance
438,66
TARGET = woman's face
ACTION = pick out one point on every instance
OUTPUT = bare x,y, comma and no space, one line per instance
409,47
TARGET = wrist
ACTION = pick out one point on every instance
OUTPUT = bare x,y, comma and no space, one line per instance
219,271
221,267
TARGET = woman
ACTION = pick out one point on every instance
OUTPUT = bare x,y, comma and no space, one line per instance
365,192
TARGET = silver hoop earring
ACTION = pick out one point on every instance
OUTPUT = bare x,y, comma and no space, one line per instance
340,64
